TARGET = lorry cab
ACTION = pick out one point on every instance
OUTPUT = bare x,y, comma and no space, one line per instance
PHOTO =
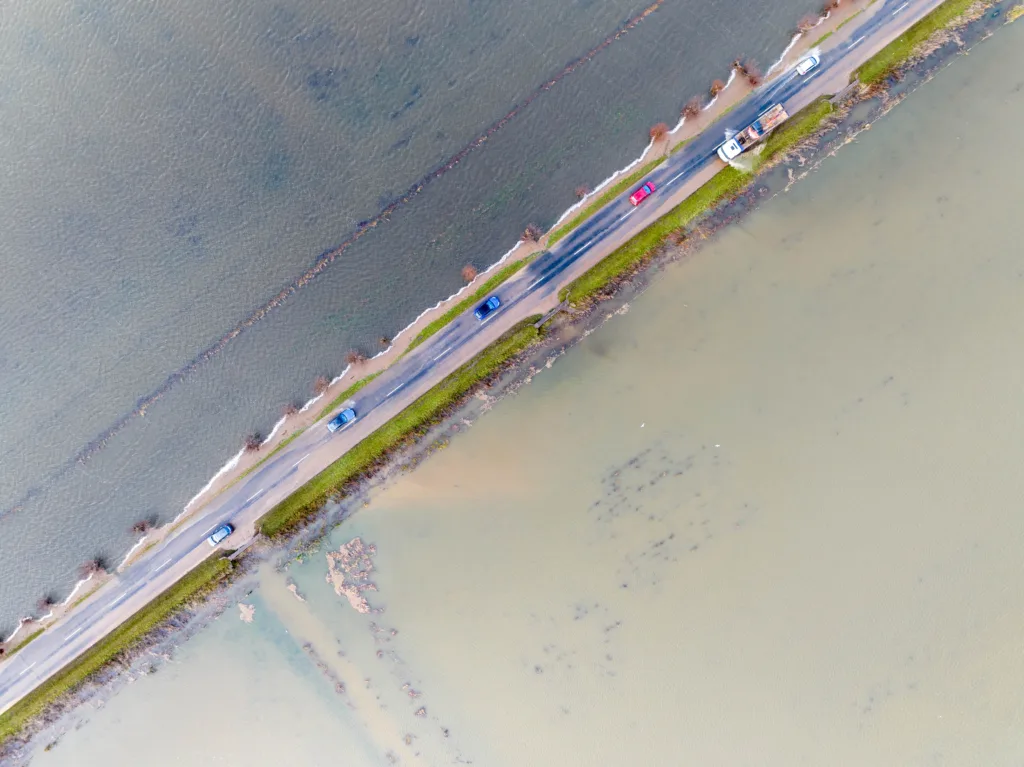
729,150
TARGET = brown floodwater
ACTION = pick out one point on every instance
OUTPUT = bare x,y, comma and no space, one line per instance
770,515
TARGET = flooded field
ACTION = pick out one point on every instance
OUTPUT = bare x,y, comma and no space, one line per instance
769,516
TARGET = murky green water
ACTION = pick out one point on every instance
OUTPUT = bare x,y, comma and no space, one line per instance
769,516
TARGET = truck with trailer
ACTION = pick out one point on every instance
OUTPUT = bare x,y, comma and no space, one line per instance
770,118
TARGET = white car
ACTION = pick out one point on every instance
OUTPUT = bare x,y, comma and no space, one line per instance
807,65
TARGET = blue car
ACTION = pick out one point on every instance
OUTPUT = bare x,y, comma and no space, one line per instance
487,307
348,415
220,534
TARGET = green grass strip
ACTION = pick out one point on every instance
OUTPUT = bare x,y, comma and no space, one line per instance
396,433
606,197
347,394
883,63
194,585
726,183
35,634
499,277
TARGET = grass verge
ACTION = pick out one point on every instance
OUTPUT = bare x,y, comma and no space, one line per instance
196,584
499,277
396,433
606,197
883,63
347,394
34,635
641,248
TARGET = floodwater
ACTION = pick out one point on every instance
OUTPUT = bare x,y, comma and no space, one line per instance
171,167
771,515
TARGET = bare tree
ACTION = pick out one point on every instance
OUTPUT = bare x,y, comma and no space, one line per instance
469,273
320,384
384,342
658,131
253,443
581,191
692,108
717,87
354,357
289,409
830,5
753,73
141,527
94,566
532,233
45,603
806,23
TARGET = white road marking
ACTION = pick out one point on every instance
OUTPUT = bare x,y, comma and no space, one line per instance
394,390
254,495
855,42
812,77
901,8
73,634
584,245
678,175
439,356
27,669
119,599
302,459
165,563
627,215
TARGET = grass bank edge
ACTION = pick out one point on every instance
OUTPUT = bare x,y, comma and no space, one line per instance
603,199
400,431
195,585
494,281
887,60
727,183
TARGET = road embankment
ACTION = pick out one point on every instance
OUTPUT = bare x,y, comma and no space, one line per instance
641,249
117,645
370,454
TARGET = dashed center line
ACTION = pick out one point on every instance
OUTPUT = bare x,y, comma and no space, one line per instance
439,356
254,495
627,215
119,599
73,634
165,563
300,460
394,390
901,8
27,669
855,41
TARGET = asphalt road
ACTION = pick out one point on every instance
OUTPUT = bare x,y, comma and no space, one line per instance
532,290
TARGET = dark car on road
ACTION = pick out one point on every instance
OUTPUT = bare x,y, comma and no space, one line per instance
487,307
642,193
346,416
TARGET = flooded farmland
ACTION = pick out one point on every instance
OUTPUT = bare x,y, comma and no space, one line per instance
771,515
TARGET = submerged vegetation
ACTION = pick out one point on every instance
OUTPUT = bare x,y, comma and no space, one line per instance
609,194
115,646
887,60
401,430
641,248
499,277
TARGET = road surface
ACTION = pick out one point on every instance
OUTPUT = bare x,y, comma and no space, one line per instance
533,290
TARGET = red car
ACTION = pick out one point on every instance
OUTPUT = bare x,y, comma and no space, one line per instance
642,193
